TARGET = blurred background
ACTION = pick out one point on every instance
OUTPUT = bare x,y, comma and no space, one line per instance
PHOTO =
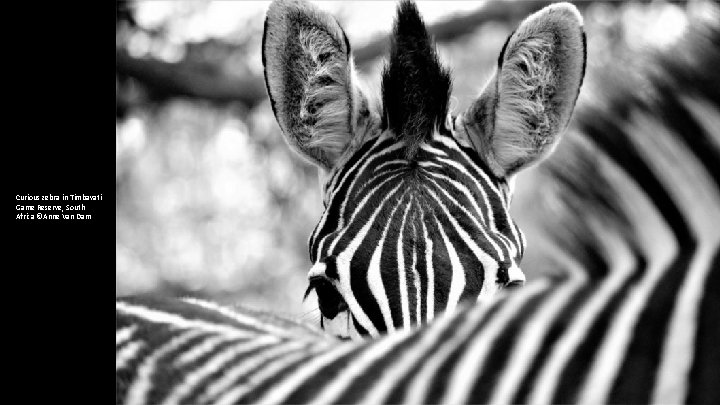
210,201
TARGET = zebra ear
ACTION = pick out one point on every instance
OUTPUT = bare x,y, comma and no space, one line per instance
310,79
519,116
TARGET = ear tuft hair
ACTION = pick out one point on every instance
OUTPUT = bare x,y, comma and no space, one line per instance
524,109
415,86
309,78
529,84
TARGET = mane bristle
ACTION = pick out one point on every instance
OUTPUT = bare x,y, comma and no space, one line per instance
415,86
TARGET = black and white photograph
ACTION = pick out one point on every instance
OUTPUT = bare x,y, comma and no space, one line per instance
417,202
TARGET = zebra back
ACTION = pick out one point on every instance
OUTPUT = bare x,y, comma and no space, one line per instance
163,343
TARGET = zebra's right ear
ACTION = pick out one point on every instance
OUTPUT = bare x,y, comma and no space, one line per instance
518,118
310,80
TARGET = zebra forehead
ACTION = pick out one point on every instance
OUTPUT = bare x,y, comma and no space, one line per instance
379,195
441,168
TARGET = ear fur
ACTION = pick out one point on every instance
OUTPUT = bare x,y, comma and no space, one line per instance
525,107
309,76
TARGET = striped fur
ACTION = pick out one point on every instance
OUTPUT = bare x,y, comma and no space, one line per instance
431,234
416,219
633,319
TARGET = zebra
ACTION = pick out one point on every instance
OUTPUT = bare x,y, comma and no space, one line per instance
416,199
633,209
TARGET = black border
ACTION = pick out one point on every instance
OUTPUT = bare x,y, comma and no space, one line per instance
60,141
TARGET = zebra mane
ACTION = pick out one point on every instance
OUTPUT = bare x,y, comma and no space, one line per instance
585,205
415,86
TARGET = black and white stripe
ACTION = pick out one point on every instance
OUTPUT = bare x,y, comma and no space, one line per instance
404,240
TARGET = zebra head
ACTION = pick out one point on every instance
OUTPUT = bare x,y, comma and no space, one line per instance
416,199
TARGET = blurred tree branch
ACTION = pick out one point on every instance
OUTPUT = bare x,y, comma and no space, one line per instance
194,79
191,79
460,25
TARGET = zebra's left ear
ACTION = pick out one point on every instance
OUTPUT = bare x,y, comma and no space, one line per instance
310,79
519,116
